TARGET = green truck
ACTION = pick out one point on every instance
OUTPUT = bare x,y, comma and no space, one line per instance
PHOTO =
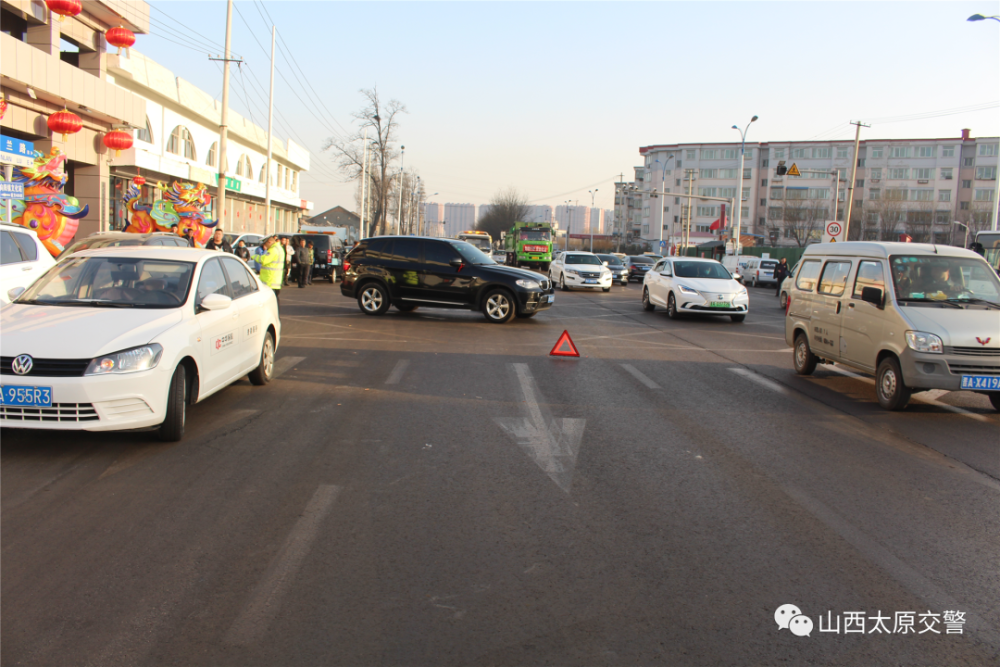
529,244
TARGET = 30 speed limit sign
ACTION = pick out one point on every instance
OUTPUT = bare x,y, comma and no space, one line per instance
834,231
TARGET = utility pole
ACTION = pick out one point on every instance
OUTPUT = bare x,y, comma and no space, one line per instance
399,213
593,193
364,184
270,136
223,129
687,225
850,186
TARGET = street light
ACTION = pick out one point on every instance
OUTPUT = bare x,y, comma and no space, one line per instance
399,213
739,183
663,198
980,17
569,221
996,189
593,193
956,222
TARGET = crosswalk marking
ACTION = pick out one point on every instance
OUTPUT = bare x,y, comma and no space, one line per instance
283,364
638,375
397,372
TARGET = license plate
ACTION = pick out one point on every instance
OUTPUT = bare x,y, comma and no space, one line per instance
589,281
983,382
552,298
31,397
718,304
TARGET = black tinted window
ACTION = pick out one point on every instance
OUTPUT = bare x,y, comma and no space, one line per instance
438,253
10,254
406,250
358,252
379,249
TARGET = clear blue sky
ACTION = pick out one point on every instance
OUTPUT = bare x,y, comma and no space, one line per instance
556,98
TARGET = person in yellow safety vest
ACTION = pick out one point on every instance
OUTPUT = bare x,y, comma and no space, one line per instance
272,265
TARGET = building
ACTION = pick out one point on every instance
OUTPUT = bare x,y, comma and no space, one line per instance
433,219
338,216
539,213
458,218
920,187
574,219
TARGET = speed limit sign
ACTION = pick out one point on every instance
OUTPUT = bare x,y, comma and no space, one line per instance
833,232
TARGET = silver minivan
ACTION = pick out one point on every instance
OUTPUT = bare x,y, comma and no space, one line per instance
918,316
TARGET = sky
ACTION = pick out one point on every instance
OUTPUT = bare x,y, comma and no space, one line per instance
556,98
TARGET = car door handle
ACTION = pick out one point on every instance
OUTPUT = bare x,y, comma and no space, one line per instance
27,268
838,308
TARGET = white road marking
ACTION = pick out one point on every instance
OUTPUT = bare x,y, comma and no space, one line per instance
551,443
759,379
638,375
397,372
266,599
283,364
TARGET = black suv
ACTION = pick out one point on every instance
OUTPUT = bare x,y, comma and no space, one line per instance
412,271
638,266
327,249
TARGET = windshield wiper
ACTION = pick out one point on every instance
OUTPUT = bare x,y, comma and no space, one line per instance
971,299
950,302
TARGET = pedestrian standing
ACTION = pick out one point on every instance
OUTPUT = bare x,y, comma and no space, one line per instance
272,263
289,249
186,234
302,259
309,266
242,251
780,273
219,242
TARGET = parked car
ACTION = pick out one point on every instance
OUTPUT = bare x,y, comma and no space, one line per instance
412,271
618,271
580,269
637,266
734,264
114,239
760,271
786,286
690,285
327,250
22,260
918,316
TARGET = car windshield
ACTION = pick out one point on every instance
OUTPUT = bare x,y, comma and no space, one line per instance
582,259
480,242
641,260
709,270
125,282
610,259
535,235
941,278
471,253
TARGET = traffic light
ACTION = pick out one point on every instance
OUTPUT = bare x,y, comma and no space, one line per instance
782,169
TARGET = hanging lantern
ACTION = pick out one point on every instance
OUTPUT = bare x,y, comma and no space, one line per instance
139,181
3,106
118,141
65,122
64,8
121,37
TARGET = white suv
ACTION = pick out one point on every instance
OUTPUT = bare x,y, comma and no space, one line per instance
579,269
23,259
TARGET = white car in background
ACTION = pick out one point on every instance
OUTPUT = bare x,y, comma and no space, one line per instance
579,269
128,337
694,285
23,258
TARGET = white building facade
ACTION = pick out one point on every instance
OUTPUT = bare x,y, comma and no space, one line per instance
458,218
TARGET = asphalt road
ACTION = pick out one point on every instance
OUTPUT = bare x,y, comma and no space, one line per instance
430,489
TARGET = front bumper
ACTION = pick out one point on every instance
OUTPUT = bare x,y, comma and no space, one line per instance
109,403
577,281
533,301
700,303
943,371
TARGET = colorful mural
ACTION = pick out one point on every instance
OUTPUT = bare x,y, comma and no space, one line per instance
52,215
180,209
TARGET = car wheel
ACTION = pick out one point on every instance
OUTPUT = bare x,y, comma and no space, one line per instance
893,394
262,374
737,318
406,307
498,307
802,357
172,428
784,300
672,307
373,299
562,282
646,303
606,289
995,400
753,282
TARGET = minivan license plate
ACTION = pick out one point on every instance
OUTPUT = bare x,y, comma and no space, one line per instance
982,382
28,397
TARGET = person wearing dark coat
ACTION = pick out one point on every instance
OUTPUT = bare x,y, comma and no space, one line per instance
780,273
302,259
219,242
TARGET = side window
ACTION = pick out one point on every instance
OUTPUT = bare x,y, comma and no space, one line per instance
659,266
379,249
240,282
9,252
406,250
869,275
358,252
439,254
28,246
212,281
806,280
834,279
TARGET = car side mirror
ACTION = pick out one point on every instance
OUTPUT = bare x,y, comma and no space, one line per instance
457,263
667,272
872,295
215,302
15,292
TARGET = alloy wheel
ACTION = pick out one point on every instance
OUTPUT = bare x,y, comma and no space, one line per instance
498,306
268,357
371,299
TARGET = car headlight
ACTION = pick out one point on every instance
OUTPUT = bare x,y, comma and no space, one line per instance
127,361
743,290
924,342
605,273
528,284
572,272
686,289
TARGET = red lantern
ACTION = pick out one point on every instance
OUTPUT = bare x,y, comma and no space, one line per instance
65,122
139,181
118,140
64,8
121,37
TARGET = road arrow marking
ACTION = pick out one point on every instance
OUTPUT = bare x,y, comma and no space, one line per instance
552,444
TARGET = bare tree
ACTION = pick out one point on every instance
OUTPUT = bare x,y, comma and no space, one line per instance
886,216
803,221
920,221
382,122
506,207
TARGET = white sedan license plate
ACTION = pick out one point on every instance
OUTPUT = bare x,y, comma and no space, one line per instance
986,382
589,281
28,397
718,304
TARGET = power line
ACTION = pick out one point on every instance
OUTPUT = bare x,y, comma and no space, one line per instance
198,50
585,187
186,27
162,29
983,106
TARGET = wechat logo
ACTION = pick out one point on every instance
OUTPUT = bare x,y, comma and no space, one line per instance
790,617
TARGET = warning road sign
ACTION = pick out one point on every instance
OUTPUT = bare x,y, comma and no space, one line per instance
564,347
793,170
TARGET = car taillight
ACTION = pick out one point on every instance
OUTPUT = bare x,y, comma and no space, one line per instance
633,267
329,255
347,265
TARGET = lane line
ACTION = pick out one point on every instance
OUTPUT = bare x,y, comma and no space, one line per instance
397,372
759,379
266,599
283,364
638,375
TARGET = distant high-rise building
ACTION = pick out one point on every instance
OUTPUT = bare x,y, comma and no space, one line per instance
539,213
574,219
458,218
433,216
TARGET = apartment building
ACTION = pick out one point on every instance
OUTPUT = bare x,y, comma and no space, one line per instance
914,186
458,218
574,219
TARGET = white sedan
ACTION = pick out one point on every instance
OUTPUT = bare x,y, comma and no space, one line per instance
125,338
694,285
579,269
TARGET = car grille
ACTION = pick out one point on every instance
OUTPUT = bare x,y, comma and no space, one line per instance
48,368
585,274
974,351
59,412
959,368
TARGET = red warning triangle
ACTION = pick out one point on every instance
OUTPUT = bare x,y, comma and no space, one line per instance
564,347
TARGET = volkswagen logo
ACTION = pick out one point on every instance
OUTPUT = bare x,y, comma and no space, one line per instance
22,364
